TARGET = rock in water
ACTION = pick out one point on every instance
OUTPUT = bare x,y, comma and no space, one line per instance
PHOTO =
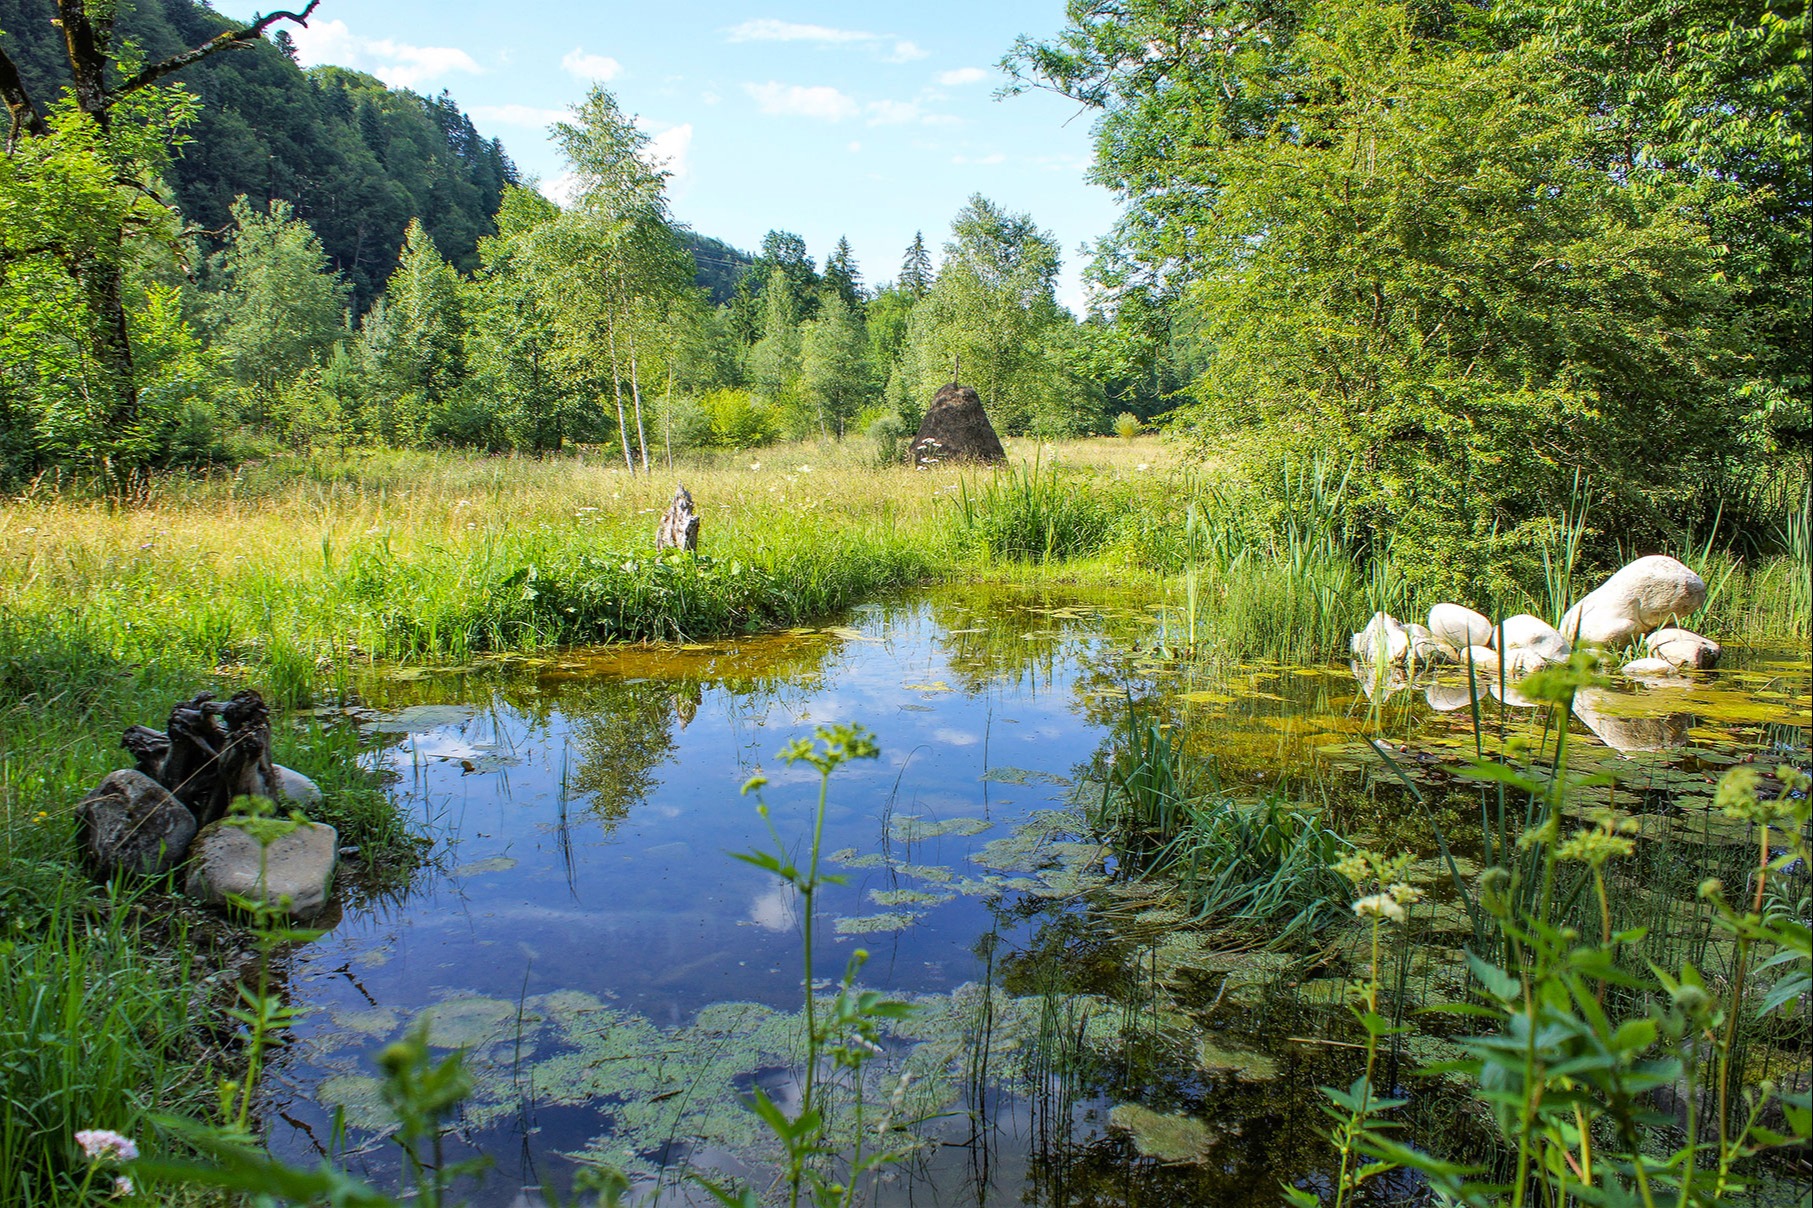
1648,668
1644,594
297,870
1458,628
1682,648
679,528
1483,658
298,790
955,428
131,822
1525,632
1382,641
1424,649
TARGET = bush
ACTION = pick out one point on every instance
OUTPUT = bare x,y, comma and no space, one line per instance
1126,425
738,419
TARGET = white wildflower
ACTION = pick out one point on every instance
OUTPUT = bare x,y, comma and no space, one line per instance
122,1186
1380,905
103,1144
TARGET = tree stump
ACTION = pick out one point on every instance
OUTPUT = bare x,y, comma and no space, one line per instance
212,752
679,528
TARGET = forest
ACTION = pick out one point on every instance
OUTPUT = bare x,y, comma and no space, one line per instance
524,533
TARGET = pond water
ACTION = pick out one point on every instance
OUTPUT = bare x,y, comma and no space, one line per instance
617,980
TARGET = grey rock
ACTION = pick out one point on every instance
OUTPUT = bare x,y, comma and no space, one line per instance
1682,648
295,874
298,790
131,822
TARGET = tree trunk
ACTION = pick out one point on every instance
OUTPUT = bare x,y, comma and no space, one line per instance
636,393
100,282
617,388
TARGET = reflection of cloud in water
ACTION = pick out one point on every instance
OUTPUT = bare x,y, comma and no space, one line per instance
776,909
955,738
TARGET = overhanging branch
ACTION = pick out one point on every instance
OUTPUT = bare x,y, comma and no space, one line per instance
22,114
225,40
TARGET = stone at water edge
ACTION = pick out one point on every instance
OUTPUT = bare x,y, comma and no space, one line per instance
131,822
1424,649
1483,658
1458,627
298,790
298,867
1383,640
1682,648
1642,595
1640,668
1525,632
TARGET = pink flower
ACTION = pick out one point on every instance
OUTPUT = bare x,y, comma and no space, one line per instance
105,1145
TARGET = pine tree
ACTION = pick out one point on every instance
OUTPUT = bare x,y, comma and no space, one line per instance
842,277
916,269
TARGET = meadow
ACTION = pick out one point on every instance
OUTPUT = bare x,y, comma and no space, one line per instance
295,575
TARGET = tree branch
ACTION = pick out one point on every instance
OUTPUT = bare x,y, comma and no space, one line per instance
225,40
24,115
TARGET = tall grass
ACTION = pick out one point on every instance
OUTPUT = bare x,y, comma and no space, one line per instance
95,1032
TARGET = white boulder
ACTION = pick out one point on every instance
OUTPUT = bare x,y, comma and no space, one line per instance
1457,627
1642,595
1682,648
295,874
1383,640
1483,658
1525,632
1642,668
1424,649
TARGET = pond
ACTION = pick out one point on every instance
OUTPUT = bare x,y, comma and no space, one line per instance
618,981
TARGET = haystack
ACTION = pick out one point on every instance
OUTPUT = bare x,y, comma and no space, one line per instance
956,428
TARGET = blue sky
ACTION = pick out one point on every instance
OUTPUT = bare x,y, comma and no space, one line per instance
865,120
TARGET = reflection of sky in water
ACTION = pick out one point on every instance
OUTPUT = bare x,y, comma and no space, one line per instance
584,807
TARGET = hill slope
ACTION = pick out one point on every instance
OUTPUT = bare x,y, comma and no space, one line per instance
357,160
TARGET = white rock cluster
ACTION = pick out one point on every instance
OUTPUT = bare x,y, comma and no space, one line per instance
1634,603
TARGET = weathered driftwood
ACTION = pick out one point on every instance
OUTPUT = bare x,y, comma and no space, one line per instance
212,752
679,528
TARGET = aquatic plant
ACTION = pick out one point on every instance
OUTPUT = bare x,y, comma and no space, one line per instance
1582,1036
1028,514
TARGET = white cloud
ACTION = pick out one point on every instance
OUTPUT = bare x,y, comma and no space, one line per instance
894,113
767,29
398,64
962,75
710,98
797,100
583,66
855,147
518,115
561,189
994,157
668,149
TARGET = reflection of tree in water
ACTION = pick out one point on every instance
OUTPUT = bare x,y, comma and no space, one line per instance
1007,636
622,731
